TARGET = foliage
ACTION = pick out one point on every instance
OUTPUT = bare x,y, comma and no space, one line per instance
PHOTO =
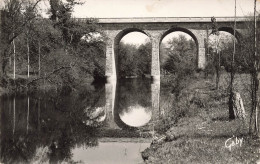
180,62
181,56
12,25
128,63
58,52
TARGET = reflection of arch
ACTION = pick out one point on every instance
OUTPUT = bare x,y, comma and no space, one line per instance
231,31
116,116
119,36
113,119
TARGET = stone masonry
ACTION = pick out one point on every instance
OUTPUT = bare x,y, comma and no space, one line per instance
156,29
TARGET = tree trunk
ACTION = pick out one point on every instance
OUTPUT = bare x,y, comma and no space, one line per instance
14,118
39,59
255,77
217,70
252,115
28,55
258,106
1,68
14,56
232,75
28,114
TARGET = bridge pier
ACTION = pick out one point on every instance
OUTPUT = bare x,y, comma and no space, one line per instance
155,37
200,36
201,58
110,103
110,62
155,91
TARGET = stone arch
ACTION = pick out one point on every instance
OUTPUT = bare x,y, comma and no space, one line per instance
118,38
124,32
180,29
230,30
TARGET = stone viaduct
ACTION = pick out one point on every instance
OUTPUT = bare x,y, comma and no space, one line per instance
156,29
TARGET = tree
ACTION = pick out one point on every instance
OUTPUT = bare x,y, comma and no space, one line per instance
216,50
128,65
144,55
250,60
255,79
181,56
12,26
126,60
181,62
232,75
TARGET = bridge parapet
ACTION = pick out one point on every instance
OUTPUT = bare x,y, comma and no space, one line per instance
166,19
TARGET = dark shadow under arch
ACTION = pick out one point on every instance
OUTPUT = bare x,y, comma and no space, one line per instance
230,30
180,29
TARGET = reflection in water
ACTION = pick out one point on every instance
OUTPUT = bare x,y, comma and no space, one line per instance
110,103
136,116
14,115
126,153
28,113
59,126
28,135
133,103
96,114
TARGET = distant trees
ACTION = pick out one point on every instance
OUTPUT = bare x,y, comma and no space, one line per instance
133,60
13,23
180,57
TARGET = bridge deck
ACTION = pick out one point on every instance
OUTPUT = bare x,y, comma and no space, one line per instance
167,19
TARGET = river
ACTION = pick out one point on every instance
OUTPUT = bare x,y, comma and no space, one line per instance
108,123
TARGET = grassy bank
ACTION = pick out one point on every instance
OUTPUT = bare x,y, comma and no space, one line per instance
201,131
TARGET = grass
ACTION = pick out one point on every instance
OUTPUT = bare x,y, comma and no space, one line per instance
202,129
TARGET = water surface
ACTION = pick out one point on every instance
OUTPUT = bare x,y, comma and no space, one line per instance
76,126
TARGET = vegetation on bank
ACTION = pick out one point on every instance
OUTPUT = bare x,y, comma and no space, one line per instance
197,125
40,52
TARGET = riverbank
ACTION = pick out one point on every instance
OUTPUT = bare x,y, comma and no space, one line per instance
204,134
23,84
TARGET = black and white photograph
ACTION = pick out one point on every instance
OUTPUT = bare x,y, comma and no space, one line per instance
129,81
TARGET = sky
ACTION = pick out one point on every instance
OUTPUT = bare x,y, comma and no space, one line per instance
163,8
158,8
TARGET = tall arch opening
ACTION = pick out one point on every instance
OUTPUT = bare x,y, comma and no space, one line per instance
132,54
178,63
132,49
178,52
231,31
220,51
